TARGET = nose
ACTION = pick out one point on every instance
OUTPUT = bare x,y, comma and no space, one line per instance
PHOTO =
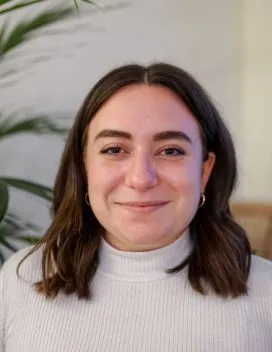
141,173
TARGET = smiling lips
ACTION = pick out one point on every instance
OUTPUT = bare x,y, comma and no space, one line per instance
143,206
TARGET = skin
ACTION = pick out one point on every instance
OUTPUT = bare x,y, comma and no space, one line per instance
144,184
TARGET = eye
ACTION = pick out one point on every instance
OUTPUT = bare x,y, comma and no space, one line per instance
172,151
112,150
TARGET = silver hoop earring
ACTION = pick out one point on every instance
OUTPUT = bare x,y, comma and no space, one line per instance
87,199
202,200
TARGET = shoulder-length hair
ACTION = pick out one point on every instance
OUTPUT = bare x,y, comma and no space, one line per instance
220,257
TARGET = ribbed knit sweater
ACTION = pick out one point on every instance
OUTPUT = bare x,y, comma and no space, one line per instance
135,307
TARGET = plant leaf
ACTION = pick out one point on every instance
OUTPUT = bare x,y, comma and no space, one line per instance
6,243
33,2
29,239
34,125
76,5
3,2
3,31
30,187
13,229
23,30
4,196
17,223
2,257
18,6
89,2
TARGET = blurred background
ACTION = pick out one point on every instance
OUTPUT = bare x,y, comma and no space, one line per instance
50,56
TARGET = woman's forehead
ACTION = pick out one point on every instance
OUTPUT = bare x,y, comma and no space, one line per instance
144,110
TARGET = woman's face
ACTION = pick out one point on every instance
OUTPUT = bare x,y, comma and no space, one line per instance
145,167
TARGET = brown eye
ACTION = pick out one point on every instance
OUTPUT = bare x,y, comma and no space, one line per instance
112,150
173,151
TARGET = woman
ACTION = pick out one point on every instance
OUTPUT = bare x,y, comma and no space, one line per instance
143,253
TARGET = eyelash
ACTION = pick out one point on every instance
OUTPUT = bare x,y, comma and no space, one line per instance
107,150
178,151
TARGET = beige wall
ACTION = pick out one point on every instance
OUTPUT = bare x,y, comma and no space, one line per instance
256,100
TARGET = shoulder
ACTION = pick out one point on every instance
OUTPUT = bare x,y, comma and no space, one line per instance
260,278
17,290
29,269
261,266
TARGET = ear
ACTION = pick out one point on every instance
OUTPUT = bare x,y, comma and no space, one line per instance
207,170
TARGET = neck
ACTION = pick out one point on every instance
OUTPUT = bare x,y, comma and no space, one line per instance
143,266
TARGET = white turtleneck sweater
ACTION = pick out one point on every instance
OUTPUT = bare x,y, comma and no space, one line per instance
136,307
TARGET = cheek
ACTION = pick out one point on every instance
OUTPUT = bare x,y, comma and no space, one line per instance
98,185
101,180
189,192
186,178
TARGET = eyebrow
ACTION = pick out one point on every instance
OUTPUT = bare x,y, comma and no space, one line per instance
161,136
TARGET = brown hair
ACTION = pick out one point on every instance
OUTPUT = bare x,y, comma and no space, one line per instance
220,258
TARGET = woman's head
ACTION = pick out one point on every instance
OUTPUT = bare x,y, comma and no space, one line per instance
145,165
146,144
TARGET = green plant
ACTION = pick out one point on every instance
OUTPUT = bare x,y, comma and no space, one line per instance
12,227
24,3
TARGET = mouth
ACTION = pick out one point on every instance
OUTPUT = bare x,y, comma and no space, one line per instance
143,207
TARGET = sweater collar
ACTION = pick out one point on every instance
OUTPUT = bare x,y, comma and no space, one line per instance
143,266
